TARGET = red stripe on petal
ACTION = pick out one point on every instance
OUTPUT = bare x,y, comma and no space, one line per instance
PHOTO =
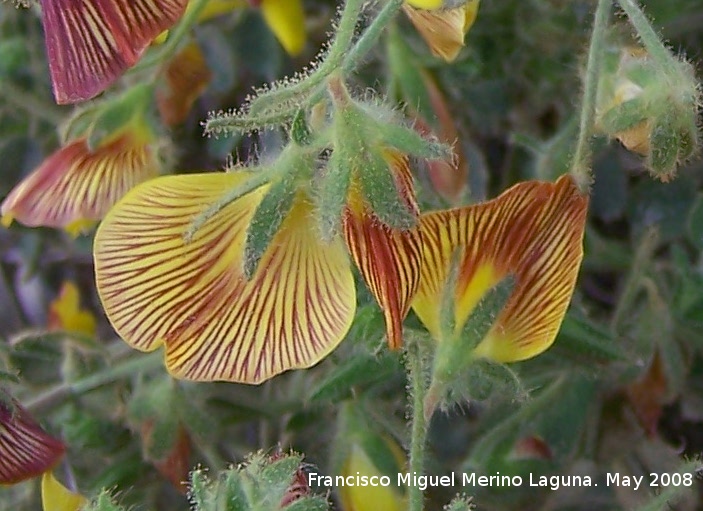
90,43
26,450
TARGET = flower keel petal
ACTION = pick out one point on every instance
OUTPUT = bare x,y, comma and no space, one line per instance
193,297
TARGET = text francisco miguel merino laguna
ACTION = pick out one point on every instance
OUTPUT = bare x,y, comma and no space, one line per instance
467,479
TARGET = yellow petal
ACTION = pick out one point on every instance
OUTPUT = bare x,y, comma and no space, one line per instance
26,450
425,4
73,187
286,19
368,498
90,44
389,260
533,231
444,29
215,8
65,312
193,297
56,497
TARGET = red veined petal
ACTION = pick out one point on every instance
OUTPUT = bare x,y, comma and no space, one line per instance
192,296
90,43
389,260
73,188
533,231
26,450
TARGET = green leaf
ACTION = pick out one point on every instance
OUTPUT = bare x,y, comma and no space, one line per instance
408,141
266,222
361,370
300,131
588,340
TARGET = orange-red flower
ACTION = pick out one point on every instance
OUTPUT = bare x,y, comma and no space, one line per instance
532,232
26,450
90,44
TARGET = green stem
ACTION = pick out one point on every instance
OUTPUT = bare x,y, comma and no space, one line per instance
581,165
418,433
132,365
164,53
368,39
333,60
652,42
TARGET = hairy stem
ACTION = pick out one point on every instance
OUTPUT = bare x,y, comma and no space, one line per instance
418,433
649,37
581,164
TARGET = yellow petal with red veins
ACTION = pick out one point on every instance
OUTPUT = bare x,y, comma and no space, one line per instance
90,43
389,260
286,19
192,296
533,231
26,450
74,187
56,497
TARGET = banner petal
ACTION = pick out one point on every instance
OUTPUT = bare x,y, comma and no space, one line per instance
73,188
533,231
90,43
26,450
157,288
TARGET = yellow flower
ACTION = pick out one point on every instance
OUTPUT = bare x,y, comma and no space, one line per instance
26,450
90,44
56,497
442,29
285,18
534,232
75,186
192,296
65,312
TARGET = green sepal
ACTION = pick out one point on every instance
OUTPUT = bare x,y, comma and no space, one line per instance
103,502
300,131
461,503
230,494
624,116
200,492
274,479
408,141
664,140
267,220
314,503
332,191
117,113
380,191
256,180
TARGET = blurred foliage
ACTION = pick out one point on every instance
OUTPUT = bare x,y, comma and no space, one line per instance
621,391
